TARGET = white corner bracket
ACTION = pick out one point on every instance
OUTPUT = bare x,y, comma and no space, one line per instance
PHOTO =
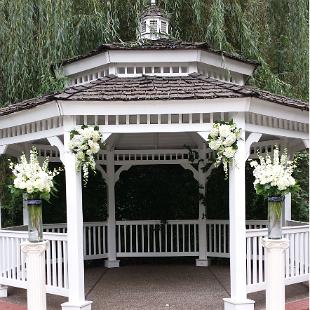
204,135
252,138
306,143
3,149
55,141
105,136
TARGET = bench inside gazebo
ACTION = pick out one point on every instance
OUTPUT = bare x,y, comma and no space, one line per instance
149,100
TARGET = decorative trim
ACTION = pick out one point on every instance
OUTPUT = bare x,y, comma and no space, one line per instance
34,248
275,243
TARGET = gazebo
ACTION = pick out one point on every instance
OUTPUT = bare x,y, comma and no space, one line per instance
149,99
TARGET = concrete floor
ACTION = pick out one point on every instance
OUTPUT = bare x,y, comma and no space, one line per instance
158,286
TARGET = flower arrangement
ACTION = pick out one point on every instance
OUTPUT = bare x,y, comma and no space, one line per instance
32,178
273,176
37,183
273,179
223,140
85,143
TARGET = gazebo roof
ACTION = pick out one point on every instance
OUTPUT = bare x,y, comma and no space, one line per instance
160,44
154,10
193,86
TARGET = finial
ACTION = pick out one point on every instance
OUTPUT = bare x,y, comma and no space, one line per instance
153,2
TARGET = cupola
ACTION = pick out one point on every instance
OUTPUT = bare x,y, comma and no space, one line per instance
154,23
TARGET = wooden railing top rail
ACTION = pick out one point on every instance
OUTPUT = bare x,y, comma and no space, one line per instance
24,234
285,230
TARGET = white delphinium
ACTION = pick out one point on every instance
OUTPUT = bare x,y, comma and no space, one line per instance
223,140
85,144
32,178
273,176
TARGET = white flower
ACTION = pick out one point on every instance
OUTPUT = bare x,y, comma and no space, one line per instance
224,130
214,132
215,144
85,145
229,152
230,139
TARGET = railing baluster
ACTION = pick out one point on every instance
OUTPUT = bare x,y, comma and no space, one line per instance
260,260
59,263
130,227
254,260
94,240
248,261
297,254
65,264
183,238
54,280
171,238
142,232
292,255
137,244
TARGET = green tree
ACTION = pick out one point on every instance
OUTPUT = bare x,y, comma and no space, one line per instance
36,34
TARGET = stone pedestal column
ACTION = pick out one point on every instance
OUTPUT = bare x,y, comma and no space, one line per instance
274,272
3,291
35,264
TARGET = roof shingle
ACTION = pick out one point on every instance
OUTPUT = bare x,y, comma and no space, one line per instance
193,86
160,44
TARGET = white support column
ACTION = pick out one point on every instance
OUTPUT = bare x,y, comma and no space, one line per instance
25,210
75,227
202,261
35,263
287,210
111,262
275,273
237,232
3,289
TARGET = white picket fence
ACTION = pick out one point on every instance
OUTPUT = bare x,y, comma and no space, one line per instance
13,266
296,257
152,238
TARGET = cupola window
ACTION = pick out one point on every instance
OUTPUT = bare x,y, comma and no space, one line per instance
163,27
143,27
153,26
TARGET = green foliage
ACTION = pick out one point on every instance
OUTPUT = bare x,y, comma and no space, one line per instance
160,192
300,199
10,214
36,34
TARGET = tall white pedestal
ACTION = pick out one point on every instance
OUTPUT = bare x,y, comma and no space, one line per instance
3,291
35,264
274,272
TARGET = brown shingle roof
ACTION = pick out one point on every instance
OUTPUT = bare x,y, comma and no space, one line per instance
193,86
160,44
154,10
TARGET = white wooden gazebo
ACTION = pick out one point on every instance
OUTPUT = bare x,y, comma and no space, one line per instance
149,99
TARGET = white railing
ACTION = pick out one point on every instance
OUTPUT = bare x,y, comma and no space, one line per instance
95,236
13,270
296,257
143,238
152,238
156,238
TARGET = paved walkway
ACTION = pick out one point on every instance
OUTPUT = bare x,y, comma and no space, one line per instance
156,287
10,306
298,305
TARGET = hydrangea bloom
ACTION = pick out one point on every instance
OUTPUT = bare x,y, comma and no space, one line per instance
85,144
273,176
223,140
32,178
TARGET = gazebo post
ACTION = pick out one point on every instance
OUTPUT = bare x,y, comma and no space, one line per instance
75,226
111,262
287,211
202,261
237,230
